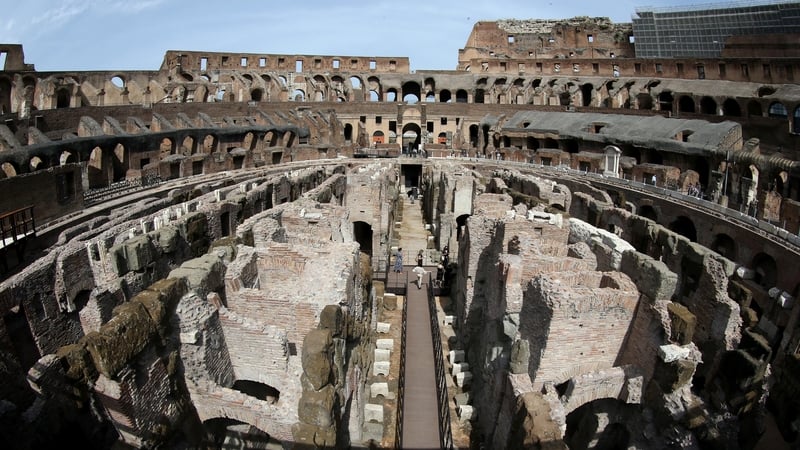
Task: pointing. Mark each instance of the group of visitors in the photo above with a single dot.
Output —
(695, 190)
(419, 270)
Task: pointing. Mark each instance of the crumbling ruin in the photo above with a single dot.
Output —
(212, 270)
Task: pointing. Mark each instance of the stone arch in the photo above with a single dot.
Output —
(725, 246)
(796, 120)
(430, 97)
(442, 138)
(600, 424)
(391, 95)
(461, 222)
(348, 133)
(218, 430)
(586, 93)
(374, 85)
(187, 145)
(648, 211)
(63, 98)
(256, 95)
(362, 232)
(777, 110)
(209, 144)
(665, 101)
(445, 96)
(411, 92)
(685, 227)
(167, 147)
(644, 101)
(412, 135)
(9, 170)
(479, 95)
(765, 270)
(271, 138)
(378, 137)
(532, 143)
(298, 95)
(249, 141)
(118, 81)
(66, 157)
(754, 109)
(550, 143)
(95, 169)
(35, 163)
(708, 105)
(730, 107)
(119, 163)
(5, 95)
(686, 104)
(462, 96)
(261, 391)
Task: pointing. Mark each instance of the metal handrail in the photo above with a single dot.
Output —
(401, 382)
(445, 430)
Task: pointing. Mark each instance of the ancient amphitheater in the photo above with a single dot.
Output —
(203, 255)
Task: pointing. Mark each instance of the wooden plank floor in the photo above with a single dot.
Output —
(420, 415)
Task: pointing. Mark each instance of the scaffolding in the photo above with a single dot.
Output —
(700, 31)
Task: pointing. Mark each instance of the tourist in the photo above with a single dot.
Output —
(420, 271)
(419, 258)
(398, 260)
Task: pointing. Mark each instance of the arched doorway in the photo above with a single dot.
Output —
(363, 235)
(685, 227)
(412, 136)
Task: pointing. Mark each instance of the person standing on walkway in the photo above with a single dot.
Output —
(398, 260)
(420, 271)
(419, 258)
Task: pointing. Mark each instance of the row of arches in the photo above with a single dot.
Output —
(109, 160)
(763, 265)
(612, 93)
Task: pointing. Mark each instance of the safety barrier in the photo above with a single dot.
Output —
(445, 431)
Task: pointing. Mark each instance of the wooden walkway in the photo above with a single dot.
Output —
(420, 405)
(420, 414)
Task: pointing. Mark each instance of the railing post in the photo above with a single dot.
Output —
(445, 432)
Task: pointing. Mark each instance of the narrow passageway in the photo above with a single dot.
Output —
(420, 414)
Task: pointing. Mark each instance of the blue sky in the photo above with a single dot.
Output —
(135, 34)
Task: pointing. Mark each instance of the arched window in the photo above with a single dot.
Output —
(777, 110)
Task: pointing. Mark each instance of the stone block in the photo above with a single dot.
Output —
(121, 338)
(455, 356)
(669, 353)
(139, 252)
(463, 379)
(373, 413)
(382, 355)
(382, 389)
(316, 357)
(465, 413)
(316, 407)
(385, 344)
(380, 368)
(168, 238)
(673, 375)
(653, 278)
(682, 323)
(373, 432)
(520, 356)
(389, 302)
(332, 319)
(460, 367)
(383, 327)
(461, 399)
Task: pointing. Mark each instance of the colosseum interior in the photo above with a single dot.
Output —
(611, 232)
